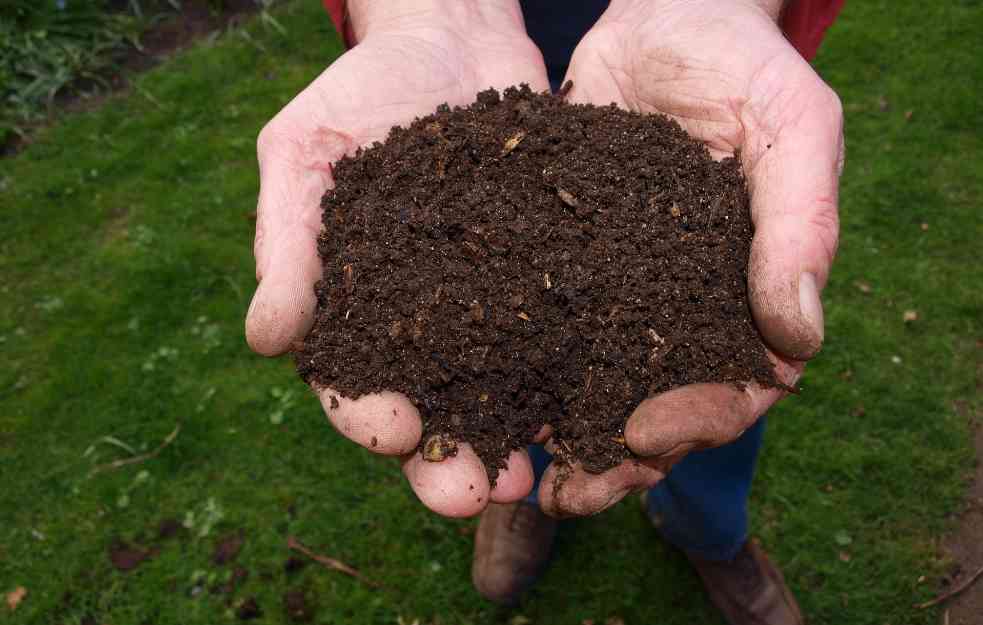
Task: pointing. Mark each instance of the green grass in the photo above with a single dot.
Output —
(125, 271)
(53, 50)
(49, 49)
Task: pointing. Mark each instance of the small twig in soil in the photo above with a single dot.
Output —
(348, 278)
(116, 464)
(331, 563)
(512, 142)
(590, 378)
(966, 583)
(713, 211)
(567, 198)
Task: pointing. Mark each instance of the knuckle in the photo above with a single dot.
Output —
(270, 139)
(832, 103)
(826, 226)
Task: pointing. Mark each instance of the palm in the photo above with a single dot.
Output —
(680, 66)
(702, 72)
(386, 80)
(392, 78)
(728, 76)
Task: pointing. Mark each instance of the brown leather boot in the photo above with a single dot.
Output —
(511, 549)
(749, 589)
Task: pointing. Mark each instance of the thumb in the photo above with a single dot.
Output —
(794, 180)
(295, 171)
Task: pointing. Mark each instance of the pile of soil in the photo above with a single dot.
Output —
(524, 261)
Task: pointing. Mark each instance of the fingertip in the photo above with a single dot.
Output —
(811, 309)
(550, 501)
(515, 481)
(582, 494)
(787, 310)
(455, 487)
(689, 417)
(641, 430)
(385, 423)
(282, 309)
(660, 424)
(259, 320)
(279, 314)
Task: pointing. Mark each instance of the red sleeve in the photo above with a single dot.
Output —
(804, 22)
(336, 9)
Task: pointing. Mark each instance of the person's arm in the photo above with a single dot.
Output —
(412, 55)
(804, 22)
(727, 73)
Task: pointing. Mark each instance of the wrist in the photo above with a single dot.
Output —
(369, 17)
(626, 8)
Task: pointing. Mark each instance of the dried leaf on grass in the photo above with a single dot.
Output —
(15, 596)
(126, 557)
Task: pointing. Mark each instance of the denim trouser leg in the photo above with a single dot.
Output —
(701, 506)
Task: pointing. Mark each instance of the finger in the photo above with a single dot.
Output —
(282, 309)
(295, 171)
(581, 493)
(454, 487)
(794, 157)
(515, 481)
(698, 416)
(544, 434)
(385, 423)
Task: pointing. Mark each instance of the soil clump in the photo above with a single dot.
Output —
(524, 261)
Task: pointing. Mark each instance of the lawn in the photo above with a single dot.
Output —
(126, 269)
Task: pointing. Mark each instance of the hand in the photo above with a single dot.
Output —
(411, 57)
(725, 72)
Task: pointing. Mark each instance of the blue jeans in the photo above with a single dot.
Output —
(701, 506)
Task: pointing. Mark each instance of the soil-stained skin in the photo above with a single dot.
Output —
(523, 261)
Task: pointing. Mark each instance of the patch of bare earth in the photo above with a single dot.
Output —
(964, 546)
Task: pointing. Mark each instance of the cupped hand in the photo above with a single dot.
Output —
(726, 73)
(411, 57)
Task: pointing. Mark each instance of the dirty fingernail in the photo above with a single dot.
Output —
(252, 304)
(810, 305)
